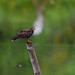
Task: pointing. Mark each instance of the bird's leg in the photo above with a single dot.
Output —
(27, 40)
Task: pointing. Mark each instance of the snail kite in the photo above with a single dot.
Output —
(26, 33)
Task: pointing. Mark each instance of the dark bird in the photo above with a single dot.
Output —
(26, 33)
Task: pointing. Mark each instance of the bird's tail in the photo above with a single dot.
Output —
(14, 38)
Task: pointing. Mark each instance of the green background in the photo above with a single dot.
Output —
(54, 47)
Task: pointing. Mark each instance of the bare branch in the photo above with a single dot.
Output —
(33, 58)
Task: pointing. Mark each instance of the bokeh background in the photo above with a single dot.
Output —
(54, 46)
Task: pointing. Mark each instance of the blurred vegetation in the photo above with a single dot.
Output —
(55, 46)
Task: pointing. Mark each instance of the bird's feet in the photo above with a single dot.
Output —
(28, 41)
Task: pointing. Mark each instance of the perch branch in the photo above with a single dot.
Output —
(33, 58)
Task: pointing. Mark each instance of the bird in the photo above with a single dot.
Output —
(25, 33)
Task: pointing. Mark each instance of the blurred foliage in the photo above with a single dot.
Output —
(58, 19)
(55, 46)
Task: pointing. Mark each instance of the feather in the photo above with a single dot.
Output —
(26, 33)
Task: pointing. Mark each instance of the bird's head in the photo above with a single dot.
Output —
(33, 28)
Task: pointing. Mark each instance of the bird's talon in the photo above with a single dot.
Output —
(28, 41)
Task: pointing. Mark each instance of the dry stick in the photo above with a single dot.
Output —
(33, 58)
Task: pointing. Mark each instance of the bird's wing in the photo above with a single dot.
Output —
(25, 31)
